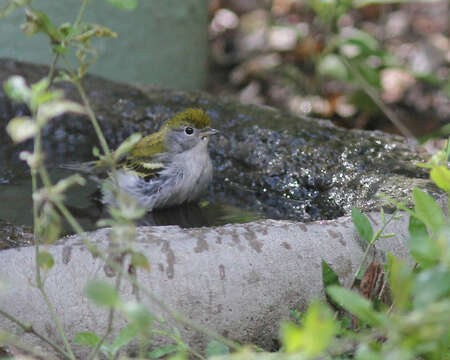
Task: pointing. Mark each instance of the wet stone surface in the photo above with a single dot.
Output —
(266, 162)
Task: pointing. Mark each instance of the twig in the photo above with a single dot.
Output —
(371, 92)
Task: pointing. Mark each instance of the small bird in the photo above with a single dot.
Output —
(167, 168)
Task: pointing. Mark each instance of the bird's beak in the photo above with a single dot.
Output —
(208, 132)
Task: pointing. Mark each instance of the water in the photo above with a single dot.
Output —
(84, 203)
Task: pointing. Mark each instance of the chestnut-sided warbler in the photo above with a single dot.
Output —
(167, 168)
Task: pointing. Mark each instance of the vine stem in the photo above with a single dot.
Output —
(369, 247)
(87, 105)
(30, 329)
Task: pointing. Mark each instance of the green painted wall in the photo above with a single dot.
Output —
(162, 42)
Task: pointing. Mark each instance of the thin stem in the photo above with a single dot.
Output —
(86, 103)
(37, 151)
(448, 150)
(369, 247)
(174, 314)
(111, 313)
(31, 330)
(12, 340)
(52, 68)
(372, 93)
(39, 282)
(57, 323)
(80, 13)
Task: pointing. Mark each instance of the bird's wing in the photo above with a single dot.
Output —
(143, 159)
(146, 168)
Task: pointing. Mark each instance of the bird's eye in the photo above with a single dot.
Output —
(189, 130)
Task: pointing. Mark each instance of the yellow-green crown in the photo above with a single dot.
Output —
(190, 117)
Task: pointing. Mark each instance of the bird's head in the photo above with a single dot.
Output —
(187, 129)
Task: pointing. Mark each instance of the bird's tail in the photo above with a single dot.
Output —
(90, 167)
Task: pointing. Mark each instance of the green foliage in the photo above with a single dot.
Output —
(215, 348)
(87, 338)
(102, 293)
(314, 336)
(110, 350)
(162, 351)
(441, 177)
(363, 225)
(331, 65)
(140, 260)
(423, 248)
(428, 211)
(45, 260)
(138, 315)
(329, 277)
(357, 305)
(124, 4)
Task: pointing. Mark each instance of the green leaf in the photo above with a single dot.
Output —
(124, 4)
(356, 304)
(422, 247)
(102, 293)
(62, 185)
(162, 351)
(17, 89)
(363, 225)
(55, 108)
(331, 65)
(369, 74)
(216, 348)
(140, 260)
(126, 146)
(125, 336)
(22, 128)
(87, 338)
(40, 86)
(45, 260)
(427, 210)
(329, 277)
(441, 177)
(430, 286)
(49, 224)
(360, 38)
(138, 315)
(38, 21)
(323, 9)
(401, 280)
(314, 336)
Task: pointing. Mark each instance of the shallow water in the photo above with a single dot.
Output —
(84, 203)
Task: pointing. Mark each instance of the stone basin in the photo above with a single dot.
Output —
(301, 176)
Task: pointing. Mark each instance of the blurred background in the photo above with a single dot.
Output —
(364, 64)
(357, 62)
